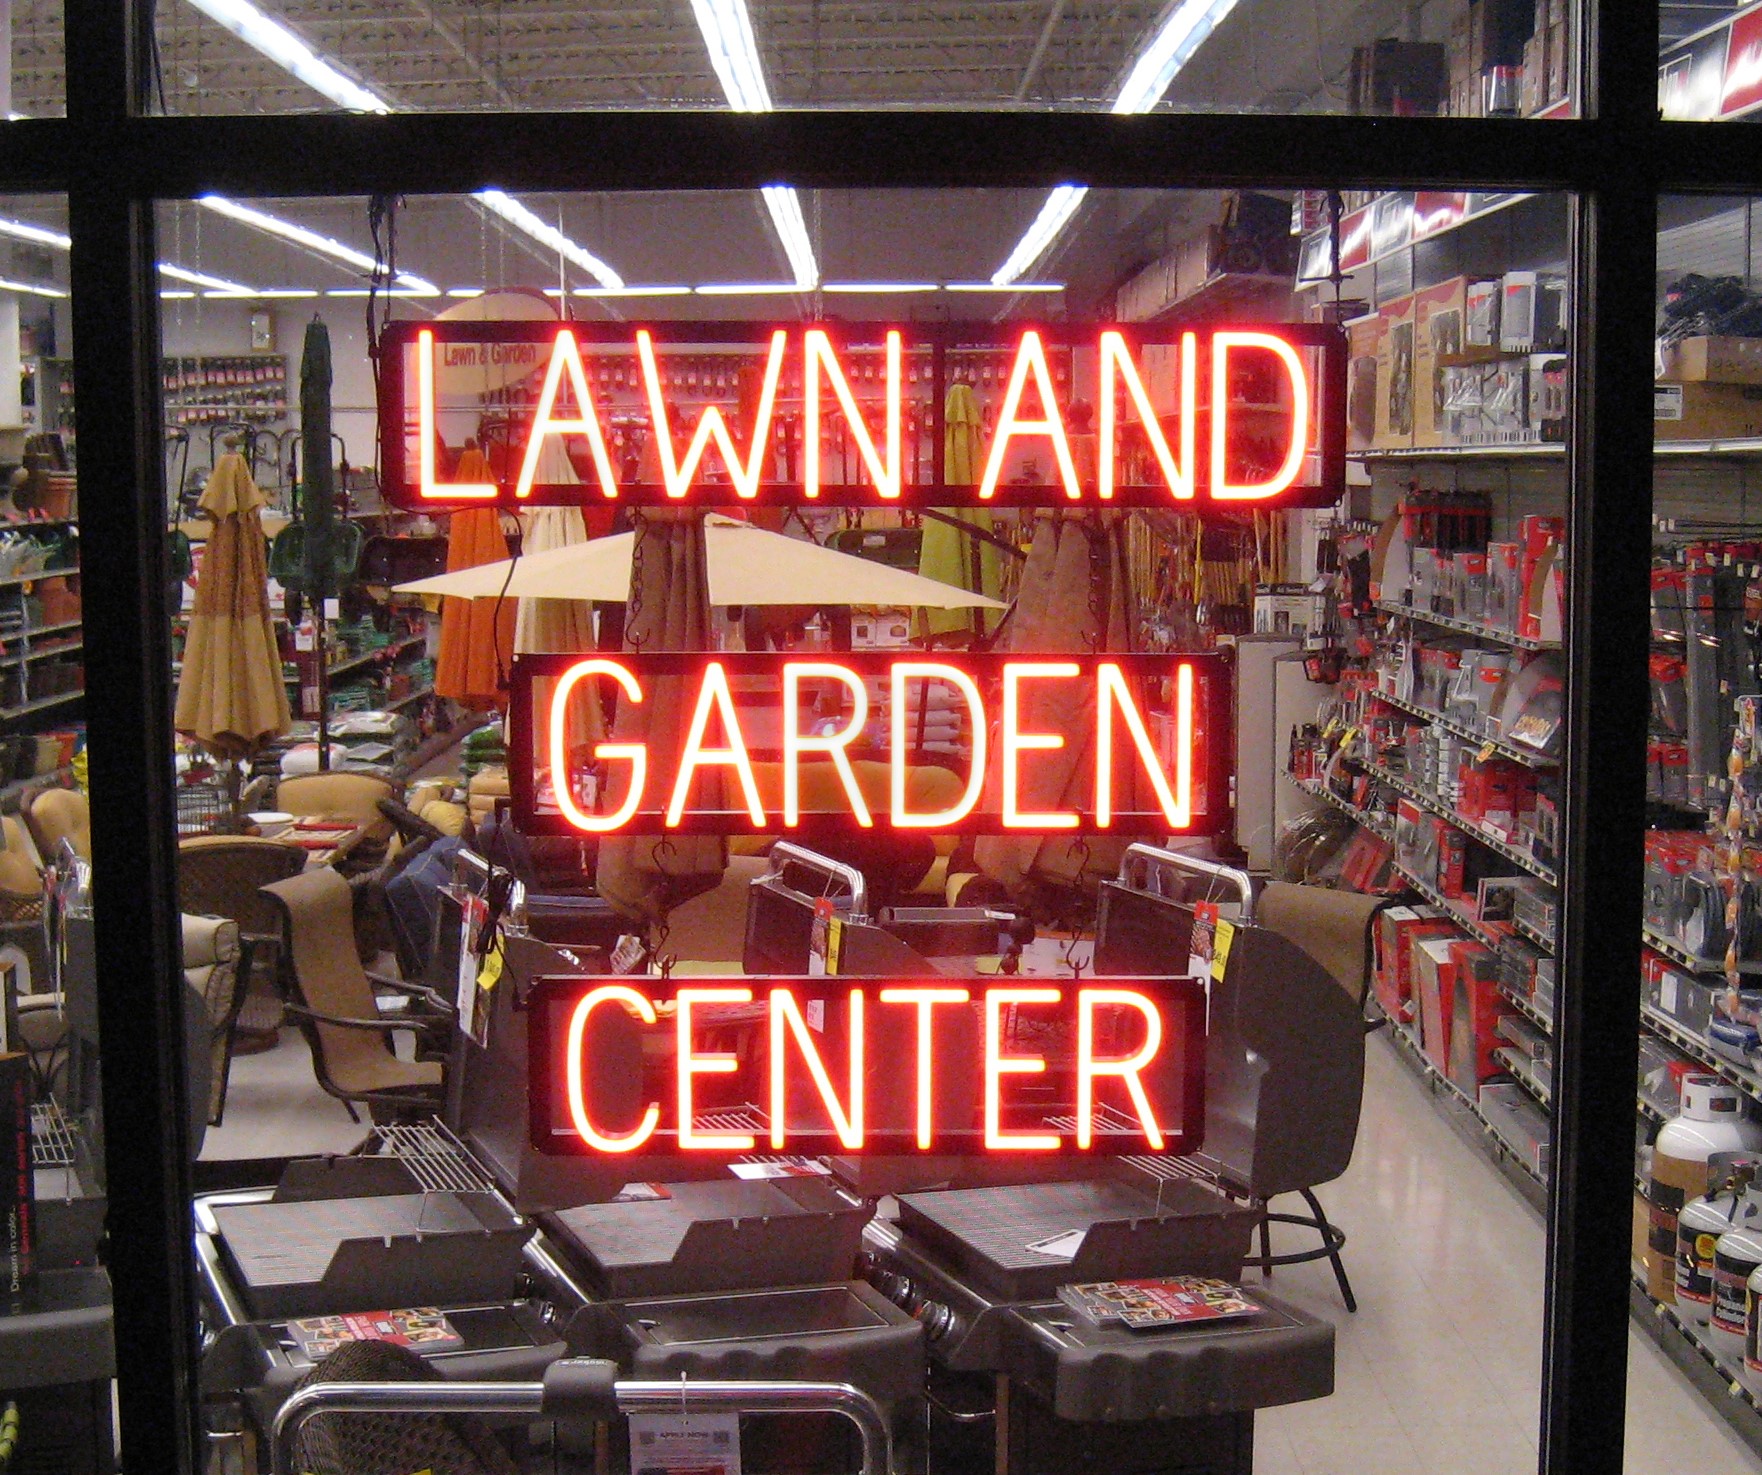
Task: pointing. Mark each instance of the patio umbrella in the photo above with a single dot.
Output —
(745, 565)
(946, 553)
(476, 640)
(1075, 596)
(231, 697)
(562, 625)
(668, 610)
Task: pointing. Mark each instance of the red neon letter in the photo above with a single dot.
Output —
(1088, 1067)
(926, 999)
(818, 352)
(997, 1065)
(714, 693)
(796, 742)
(904, 671)
(785, 1013)
(703, 1065)
(425, 433)
(636, 754)
(710, 427)
(1030, 357)
(1116, 364)
(1221, 487)
(1177, 806)
(630, 998)
(1016, 742)
(566, 356)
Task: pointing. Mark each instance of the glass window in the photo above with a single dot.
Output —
(33, 84)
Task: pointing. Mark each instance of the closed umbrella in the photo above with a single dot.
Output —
(668, 610)
(231, 697)
(946, 553)
(563, 625)
(1075, 596)
(476, 639)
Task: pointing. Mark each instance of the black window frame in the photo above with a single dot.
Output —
(114, 160)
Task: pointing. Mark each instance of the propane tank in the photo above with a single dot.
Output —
(1712, 1120)
(1736, 1256)
(1698, 1228)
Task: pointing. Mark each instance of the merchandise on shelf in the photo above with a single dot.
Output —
(1711, 1121)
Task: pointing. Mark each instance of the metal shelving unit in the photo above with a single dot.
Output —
(1475, 628)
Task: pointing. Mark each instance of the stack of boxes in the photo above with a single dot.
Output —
(1710, 389)
(1508, 56)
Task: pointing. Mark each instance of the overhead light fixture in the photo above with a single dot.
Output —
(1054, 215)
(257, 294)
(202, 279)
(180, 294)
(400, 292)
(734, 53)
(464, 291)
(37, 235)
(517, 215)
(792, 231)
(291, 54)
(879, 289)
(1008, 287)
(1183, 31)
(633, 292)
(747, 289)
(322, 245)
(36, 289)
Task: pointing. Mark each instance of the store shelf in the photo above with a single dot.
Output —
(1475, 928)
(1466, 733)
(1466, 627)
(1517, 1066)
(367, 657)
(1741, 1408)
(1377, 824)
(1434, 805)
(1742, 448)
(414, 696)
(62, 648)
(1523, 450)
(12, 581)
(1683, 958)
(42, 704)
(1541, 1018)
(48, 629)
(1668, 1030)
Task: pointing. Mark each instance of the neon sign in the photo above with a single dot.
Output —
(856, 414)
(731, 1066)
(803, 740)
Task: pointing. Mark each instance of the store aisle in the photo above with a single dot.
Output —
(1440, 1370)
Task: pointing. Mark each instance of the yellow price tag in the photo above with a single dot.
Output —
(1486, 752)
(1220, 949)
(490, 973)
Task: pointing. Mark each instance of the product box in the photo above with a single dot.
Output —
(1452, 856)
(1439, 328)
(1392, 975)
(1414, 850)
(1434, 990)
(1532, 312)
(1549, 392)
(1505, 403)
(1476, 1009)
(1363, 335)
(1394, 403)
(1559, 59)
(1461, 389)
(1705, 411)
(1538, 538)
(1481, 304)
(1718, 360)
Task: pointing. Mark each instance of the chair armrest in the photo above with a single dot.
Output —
(411, 990)
(382, 1025)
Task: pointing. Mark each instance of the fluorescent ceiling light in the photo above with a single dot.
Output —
(383, 292)
(202, 279)
(1054, 215)
(879, 288)
(1184, 29)
(464, 291)
(257, 294)
(633, 292)
(728, 33)
(290, 53)
(36, 234)
(792, 230)
(181, 294)
(517, 215)
(17, 117)
(747, 289)
(34, 288)
(311, 240)
(1010, 287)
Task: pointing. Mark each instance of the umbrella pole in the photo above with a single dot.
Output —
(322, 657)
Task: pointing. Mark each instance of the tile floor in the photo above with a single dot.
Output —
(1438, 1372)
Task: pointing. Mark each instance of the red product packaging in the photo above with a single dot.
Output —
(1434, 987)
(1538, 536)
(1452, 856)
(1478, 1006)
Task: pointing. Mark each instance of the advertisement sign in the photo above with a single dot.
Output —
(857, 414)
(812, 1065)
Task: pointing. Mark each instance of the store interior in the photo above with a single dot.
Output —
(384, 897)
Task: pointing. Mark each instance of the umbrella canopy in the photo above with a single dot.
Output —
(946, 553)
(476, 639)
(1075, 596)
(231, 697)
(745, 565)
(668, 610)
(318, 501)
(559, 624)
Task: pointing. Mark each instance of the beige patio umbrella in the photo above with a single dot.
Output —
(743, 565)
(1075, 596)
(231, 697)
(561, 625)
(668, 609)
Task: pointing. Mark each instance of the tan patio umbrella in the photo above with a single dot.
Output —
(561, 625)
(231, 697)
(1075, 596)
(668, 610)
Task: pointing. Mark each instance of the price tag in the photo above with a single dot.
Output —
(1487, 751)
(685, 1444)
(1220, 952)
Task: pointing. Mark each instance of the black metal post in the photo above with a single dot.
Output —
(1596, 1015)
(128, 661)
